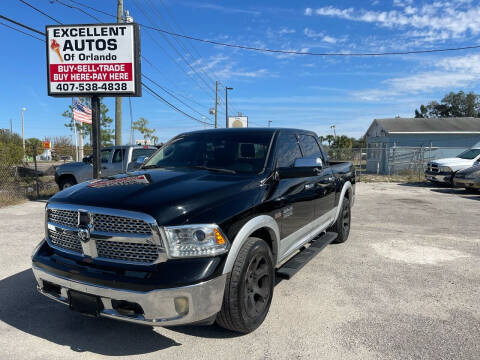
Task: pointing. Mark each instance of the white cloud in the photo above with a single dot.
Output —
(308, 11)
(439, 19)
(223, 67)
(319, 35)
(448, 73)
(286, 30)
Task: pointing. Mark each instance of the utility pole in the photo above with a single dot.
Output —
(269, 122)
(96, 136)
(216, 102)
(11, 127)
(118, 99)
(23, 129)
(226, 105)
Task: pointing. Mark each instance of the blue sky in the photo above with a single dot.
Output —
(292, 91)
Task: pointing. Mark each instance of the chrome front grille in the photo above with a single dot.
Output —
(128, 236)
(63, 217)
(119, 224)
(143, 253)
(65, 240)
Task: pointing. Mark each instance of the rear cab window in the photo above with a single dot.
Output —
(287, 150)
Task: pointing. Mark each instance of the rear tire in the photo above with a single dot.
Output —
(342, 225)
(66, 183)
(249, 288)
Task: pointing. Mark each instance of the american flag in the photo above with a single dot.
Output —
(81, 112)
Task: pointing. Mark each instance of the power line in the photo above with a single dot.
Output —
(154, 93)
(163, 74)
(23, 32)
(41, 12)
(179, 53)
(22, 25)
(293, 52)
(173, 95)
(79, 9)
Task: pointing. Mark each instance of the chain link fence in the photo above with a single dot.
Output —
(30, 176)
(393, 161)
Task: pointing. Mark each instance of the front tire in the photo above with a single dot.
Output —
(249, 288)
(342, 225)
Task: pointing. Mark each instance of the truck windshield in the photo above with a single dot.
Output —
(469, 154)
(230, 153)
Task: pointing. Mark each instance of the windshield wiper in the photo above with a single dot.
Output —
(228, 171)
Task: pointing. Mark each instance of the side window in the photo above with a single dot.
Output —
(309, 146)
(118, 155)
(105, 155)
(287, 150)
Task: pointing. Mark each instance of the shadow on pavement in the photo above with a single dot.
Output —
(25, 309)
(445, 189)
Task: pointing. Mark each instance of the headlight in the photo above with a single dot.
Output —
(444, 169)
(195, 241)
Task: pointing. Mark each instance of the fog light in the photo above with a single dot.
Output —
(181, 305)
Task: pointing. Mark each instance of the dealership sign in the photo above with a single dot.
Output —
(87, 60)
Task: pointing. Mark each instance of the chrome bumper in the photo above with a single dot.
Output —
(159, 306)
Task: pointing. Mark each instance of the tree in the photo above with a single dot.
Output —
(106, 132)
(330, 139)
(452, 105)
(62, 147)
(33, 146)
(11, 150)
(141, 126)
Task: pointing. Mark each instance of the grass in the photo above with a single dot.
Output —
(408, 178)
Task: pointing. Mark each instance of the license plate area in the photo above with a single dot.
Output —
(85, 303)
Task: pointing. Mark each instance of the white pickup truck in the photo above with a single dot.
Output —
(115, 160)
(443, 170)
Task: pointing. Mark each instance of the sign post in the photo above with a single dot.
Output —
(94, 61)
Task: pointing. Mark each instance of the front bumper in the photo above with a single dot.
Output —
(466, 183)
(442, 177)
(160, 307)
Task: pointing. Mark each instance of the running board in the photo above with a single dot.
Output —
(292, 266)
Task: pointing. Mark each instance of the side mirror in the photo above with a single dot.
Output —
(302, 167)
(87, 160)
(308, 162)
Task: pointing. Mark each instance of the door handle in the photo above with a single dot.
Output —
(104, 167)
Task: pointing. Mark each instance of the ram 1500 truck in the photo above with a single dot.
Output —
(199, 233)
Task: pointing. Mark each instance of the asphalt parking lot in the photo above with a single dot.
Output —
(405, 285)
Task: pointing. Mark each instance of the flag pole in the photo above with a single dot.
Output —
(75, 133)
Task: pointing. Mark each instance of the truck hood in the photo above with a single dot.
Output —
(454, 163)
(71, 165)
(172, 197)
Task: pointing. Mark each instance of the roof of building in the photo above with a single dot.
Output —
(461, 125)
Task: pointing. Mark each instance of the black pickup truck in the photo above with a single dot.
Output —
(199, 233)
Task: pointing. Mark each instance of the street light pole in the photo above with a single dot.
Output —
(23, 129)
(226, 105)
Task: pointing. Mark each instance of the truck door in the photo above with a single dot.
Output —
(323, 184)
(106, 159)
(293, 196)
